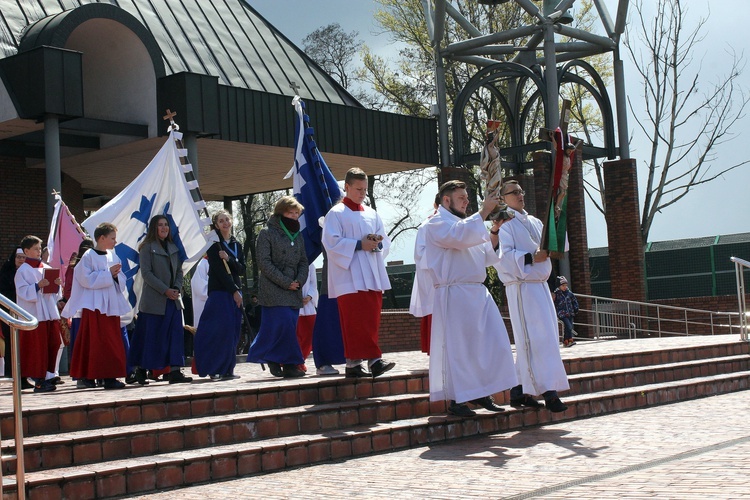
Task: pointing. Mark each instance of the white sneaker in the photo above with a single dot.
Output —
(327, 370)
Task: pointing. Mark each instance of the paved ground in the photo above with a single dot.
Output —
(697, 449)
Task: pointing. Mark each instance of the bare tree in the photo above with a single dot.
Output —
(685, 120)
(334, 50)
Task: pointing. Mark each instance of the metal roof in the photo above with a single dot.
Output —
(223, 38)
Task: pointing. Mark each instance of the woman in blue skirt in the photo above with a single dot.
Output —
(283, 270)
(218, 332)
(158, 338)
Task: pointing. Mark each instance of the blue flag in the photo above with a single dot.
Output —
(314, 185)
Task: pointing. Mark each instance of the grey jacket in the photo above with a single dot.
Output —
(280, 263)
(155, 271)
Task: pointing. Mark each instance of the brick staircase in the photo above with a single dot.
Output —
(145, 442)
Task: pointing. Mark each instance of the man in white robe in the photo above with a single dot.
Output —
(356, 245)
(422, 291)
(524, 270)
(470, 354)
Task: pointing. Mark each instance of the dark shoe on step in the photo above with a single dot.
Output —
(177, 377)
(56, 381)
(526, 400)
(230, 376)
(380, 366)
(130, 379)
(460, 410)
(141, 376)
(85, 383)
(556, 406)
(113, 383)
(275, 369)
(488, 403)
(25, 384)
(44, 387)
(292, 371)
(356, 372)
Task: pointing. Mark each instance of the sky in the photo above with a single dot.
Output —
(717, 208)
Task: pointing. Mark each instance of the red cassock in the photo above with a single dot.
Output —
(39, 349)
(305, 325)
(425, 326)
(98, 352)
(360, 322)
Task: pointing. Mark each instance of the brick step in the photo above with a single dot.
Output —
(138, 407)
(89, 446)
(183, 468)
(618, 361)
(583, 383)
(86, 446)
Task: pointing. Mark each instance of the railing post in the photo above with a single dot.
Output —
(658, 319)
(18, 417)
(686, 325)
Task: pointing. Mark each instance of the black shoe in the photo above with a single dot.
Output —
(556, 406)
(275, 369)
(44, 387)
(25, 384)
(56, 381)
(130, 379)
(113, 383)
(177, 377)
(291, 371)
(460, 410)
(85, 383)
(356, 372)
(488, 403)
(229, 376)
(379, 367)
(526, 400)
(141, 376)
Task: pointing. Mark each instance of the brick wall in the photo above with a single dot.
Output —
(399, 331)
(627, 262)
(23, 202)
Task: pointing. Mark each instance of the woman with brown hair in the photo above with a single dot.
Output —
(283, 270)
(158, 339)
(219, 327)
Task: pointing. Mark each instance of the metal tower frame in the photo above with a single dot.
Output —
(501, 55)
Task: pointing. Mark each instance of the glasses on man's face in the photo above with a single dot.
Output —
(516, 192)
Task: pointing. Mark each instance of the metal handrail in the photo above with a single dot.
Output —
(742, 304)
(629, 319)
(17, 319)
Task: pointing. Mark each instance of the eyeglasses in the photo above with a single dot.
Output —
(516, 192)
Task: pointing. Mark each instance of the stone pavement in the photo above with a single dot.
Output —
(696, 449)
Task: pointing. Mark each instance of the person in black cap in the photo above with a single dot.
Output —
(566, 306)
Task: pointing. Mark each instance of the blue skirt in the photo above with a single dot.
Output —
(217, 336)
(158, 340)
(277, 337)
(328, 345)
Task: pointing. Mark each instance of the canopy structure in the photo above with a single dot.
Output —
(84, 85)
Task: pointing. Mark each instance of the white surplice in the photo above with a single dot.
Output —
(351, 270)
(532, 312)
(470, 354)
(310, 288)
(422, 290)
(199, 290)
(95, 289)
(43, 306)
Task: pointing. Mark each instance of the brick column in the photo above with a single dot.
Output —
(626, 257)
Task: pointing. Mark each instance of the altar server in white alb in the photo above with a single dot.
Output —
(356, 243)
(470, 355)
(524, 270)
(422, 290)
